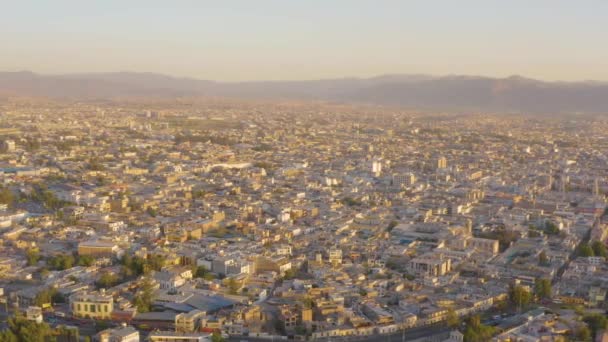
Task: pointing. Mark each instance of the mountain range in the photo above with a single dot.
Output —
(513, 94)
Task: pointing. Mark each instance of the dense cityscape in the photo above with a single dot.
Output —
(220, 219)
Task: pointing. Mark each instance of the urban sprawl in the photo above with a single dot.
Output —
(210, 219)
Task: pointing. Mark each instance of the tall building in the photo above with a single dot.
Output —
(442, 163)
(335, 256)
(407, 179)
(376, 167)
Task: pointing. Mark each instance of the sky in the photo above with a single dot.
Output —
(237, 40)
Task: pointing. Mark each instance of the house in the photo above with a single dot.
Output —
(169, 281)
(121, 334)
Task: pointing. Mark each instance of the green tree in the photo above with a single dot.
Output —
(582, 333)
(308, 302)
(155, 262)
(505, 237)
(477, 332)
(27, 331)
(95, 165)
(107, 279)
(151, 211)
(452, 320)
(519, 297)
(233, 286)
(67, 334)
(289, 274)
(8, 336)
(132, 266)
(596, 322)
(145, 296)
(217, 337)
(542, 288)
(45, 296)
(6, 196)
(551, 228)
(32, 256)
(85, 260)
(599, 249)
(584, 250)
(543, 260)
(199, 271)
(61, 262)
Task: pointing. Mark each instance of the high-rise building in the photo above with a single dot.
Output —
(376, 167)
(442, 163)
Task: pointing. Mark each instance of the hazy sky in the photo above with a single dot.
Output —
(308, 39)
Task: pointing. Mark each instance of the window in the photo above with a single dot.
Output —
(93, 308)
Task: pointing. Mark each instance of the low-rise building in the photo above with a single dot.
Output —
(96, 305)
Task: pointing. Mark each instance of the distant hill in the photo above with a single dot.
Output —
(457, 93)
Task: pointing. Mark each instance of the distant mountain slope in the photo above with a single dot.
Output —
(513, 94)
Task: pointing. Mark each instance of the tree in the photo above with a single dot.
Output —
(289, 274)
(543, 260)
(95, 164)
(551, 228)
(199, 271)
(504, 237)
(233, 286)
(452, 320)
(27, 331)
(217, 337)
(542, 288)
(45, 296)
(6, 196)
(308, 302)
(599, 249)
(477, 332)
(107, 279)
(584, 250)
(8, 336)
(61, 262)
(67, 334)
(596, 322)
(132, 266)
(519, 297)
(32, 255)
(145, 296)
(155, 262)
(151, 211)
(85, 260)
(582, 333)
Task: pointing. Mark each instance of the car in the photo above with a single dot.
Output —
(59, 314)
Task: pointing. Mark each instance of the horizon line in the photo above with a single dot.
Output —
(419, 74)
